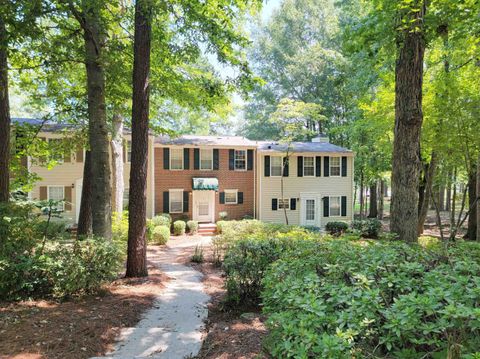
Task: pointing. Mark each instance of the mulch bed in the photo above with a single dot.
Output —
(79, 328)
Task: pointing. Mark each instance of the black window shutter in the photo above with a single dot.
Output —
(186, 158)
(249, 160)
(185, 201)
(231, 160)
(326, 166)
(267, 166)
(274, 204)
(344, 206)
(166, 158)
(240, 197)
(318, 166)
(344, 166)
(216, 159)
(285, 166)
(293, 204)
(300, 166)
(166, 202)
(196, 158)
(222, 197)
(326, 206)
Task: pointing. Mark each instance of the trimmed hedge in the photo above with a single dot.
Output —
(161, 234)
(179, 228)
(192, 226)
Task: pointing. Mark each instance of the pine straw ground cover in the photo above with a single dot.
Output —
(79, 328)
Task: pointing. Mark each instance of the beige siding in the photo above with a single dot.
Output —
(296, 187)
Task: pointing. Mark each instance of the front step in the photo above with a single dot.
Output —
(207, 229)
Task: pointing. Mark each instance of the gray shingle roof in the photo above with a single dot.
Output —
(269, 146)
(190, 140)
(47, 126)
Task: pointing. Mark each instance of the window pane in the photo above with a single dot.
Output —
(206, 159)
(56, 194)
(310, 210)
(334, 166)
(334, 206)
(230, 196)
(176, 201)
(308, 166)
(284, 203)
(275, 166)
(176, 159)
(240, 159)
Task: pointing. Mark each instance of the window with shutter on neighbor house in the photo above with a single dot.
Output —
(283, 203)
(57, 193)
(334, 166)
(56, 148)
(176, 201)
(231, 196)
(176, 159)
(206, 159)
(335, 206)
(308, 166)
(275, 166)
(240, 160)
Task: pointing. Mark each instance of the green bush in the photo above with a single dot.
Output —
(120, 228)
(336, 228)
(161, 234)
(339, 299)
(220, 226)
(163, 219)
(179, 228)
(55, 229)
(368, 228)
(197, 256)
(192, 227)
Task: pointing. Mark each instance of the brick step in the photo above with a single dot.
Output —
(207, 229)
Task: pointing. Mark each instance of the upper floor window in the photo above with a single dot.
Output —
(334, 166)
(176, 200)
(240, 160)
(276, 166)
(176, 159)
(334, 206)
(308, 166)
(206, 159)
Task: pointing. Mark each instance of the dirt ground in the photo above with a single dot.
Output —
(79, 328)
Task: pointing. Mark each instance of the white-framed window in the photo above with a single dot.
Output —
(126, 196)
(56, 149)
(176, 159)
(335, 166)
(206, 159)
(57, 193)
(129, 151)
(308, 166)
(276, 166)
(284, 203)
(240, 160)
(335, 206)
(176, 200)
(231, 196)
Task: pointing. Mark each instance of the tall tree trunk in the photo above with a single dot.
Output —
(137, 206)
(85, 214)
(408, 124)
(117, 165)
(4, 116)
(373, 212)
(472, 205)
(441, 197)
(454, 199)
(381, 196)
(478, 195)
(97, 123)
(448, 196)
(361, 195)
(423, 203)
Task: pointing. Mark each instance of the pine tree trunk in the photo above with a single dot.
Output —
(472, 205)
(97, 122)
(408, 124)
(85, 214)
(117, 165)
(373, 212)
(4, 117)
(137, 207)
(427, 193)
(478, 199)
(381, 196)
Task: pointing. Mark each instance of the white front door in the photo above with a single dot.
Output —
(78, 197)
(309, 211)
(204, 206)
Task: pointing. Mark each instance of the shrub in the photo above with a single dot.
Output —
(163, 219)
(336, 228)
(179, 228)
(55, 229)
(150, 228)
(220, 226)
(161, 234)
(197, 256)
(192, 227)
(120, 228)
(369, 228)
(339, 299)
(223, 215)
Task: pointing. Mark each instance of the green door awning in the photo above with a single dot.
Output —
(205, 184)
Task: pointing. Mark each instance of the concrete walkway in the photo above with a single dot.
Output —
(172, 329)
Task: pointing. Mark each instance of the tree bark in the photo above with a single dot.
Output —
(408, 124)
(454, 199)
(361, 195)
(97, 121)
(4, 116)
(424, 197)
(478, 194)
(137, 207)
(472, 205)
(117, 165)
(84, 227)
(381, 196)
(373, 212)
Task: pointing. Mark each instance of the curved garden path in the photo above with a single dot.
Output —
(173, 327)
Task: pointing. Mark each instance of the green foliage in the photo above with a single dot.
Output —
(192, 226)
(120, 228)
(336, 228)
(368, 228)
(197, 256)
(163, 219)
(161, 234)
(220, 226)
(338, 299)
(179, 228)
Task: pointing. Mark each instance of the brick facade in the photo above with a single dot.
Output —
(243, 181)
